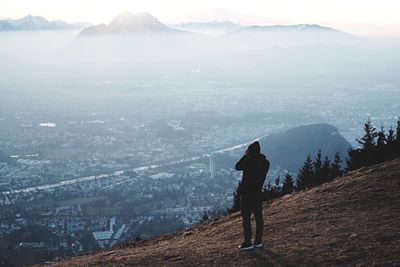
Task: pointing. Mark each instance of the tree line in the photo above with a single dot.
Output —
(375, 147)
(314, 172)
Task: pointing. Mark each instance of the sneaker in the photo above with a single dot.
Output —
(246, 246)
(259, 245)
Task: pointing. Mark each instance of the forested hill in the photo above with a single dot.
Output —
(351, 221)
(289, 149)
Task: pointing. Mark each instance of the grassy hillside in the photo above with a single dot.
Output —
(352, 221)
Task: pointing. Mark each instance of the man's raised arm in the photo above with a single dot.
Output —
(241, 164)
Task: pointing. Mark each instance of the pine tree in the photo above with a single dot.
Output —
(354, 160)
(277, 181)
(367, 142)
(398, 131)
(380, 151)
(336, 168)
(326, 170)
(364, 155)
(288, 184)
(204, 217)
(267, 192)
(269, 186)
(389, 150)
(391, 138)
(305, 174)
(317, 169)
(381, 138)
(396, 145)
(277, 190)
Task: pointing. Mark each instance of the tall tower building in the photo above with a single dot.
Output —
(212, 166)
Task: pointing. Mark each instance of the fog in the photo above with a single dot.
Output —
(285, 78)
(60, 63)
(164, 76)
(144, 130)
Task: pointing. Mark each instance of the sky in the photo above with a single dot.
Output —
(362, 17)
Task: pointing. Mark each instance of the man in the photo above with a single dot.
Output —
(255, 168)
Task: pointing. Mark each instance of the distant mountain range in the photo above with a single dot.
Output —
(275, 35)
(295, 27)
(143, 23)
(291, 30)
(127, 23)
(288, 35)
(32, 23)
(232, 28)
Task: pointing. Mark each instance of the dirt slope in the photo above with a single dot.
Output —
(352, 221)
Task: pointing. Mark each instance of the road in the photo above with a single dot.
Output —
(120, 172)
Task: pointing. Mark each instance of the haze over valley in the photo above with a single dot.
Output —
(132, 128)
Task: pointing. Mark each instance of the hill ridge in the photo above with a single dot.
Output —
(351, 221)
(127, 23)
(35, 23)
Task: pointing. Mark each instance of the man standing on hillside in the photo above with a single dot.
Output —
(255, 167)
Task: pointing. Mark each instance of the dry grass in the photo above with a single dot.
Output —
(352, 221)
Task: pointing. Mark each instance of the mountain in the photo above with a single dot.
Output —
(299, 34)
(32, 23)
(351, 221)
(5, 25)
(127, 23)
(296, 27)
(288, 150)
(208, 27)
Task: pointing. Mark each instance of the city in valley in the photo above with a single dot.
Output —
(96, 178)
(101, 147)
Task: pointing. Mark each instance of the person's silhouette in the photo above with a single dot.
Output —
(255, 167)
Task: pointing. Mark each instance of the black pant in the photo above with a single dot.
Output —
(252, 204)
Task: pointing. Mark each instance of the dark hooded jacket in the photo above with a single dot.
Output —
(255, 167)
